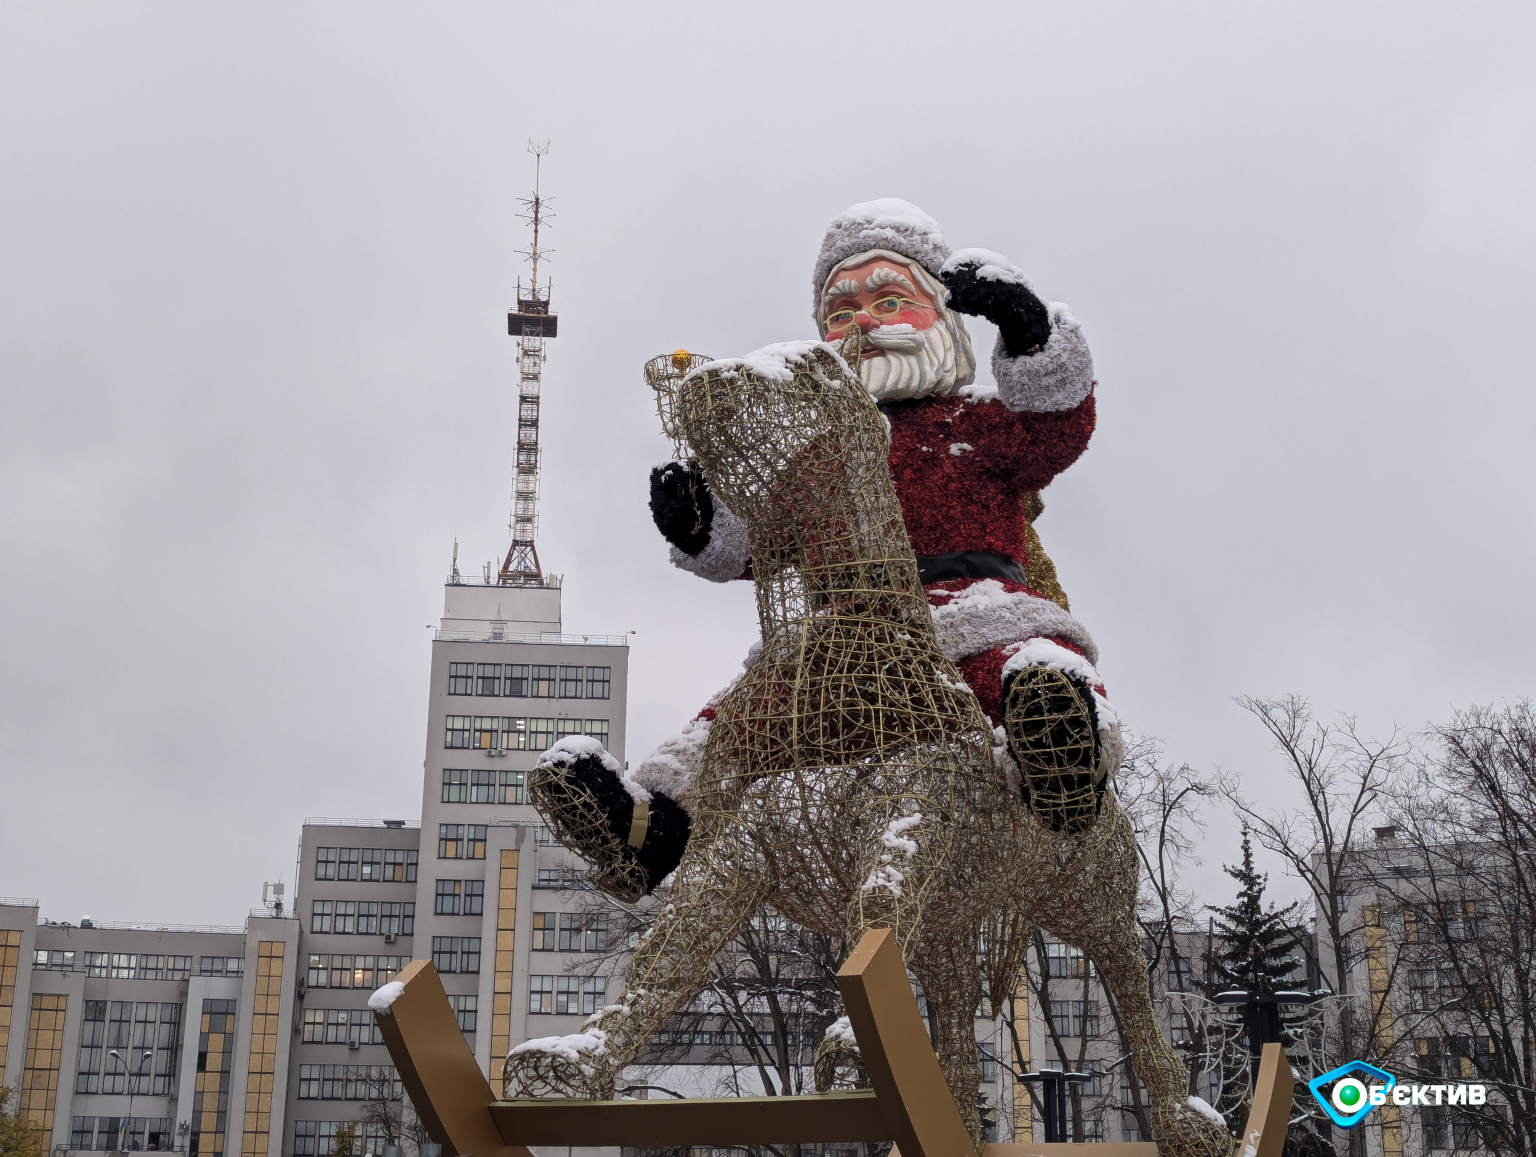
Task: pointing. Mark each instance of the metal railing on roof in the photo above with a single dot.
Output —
(139, 926)
(546, 638)
(18, 902)
(335, 822)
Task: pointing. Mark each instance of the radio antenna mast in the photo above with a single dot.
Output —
(531, 322)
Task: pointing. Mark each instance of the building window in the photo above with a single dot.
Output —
(541, 684)
(221, 966)
(541, 734)
(346, 918)
(456, 953)
(515, 682)
(304, 1138)
(314, 1026)
(398, 919)
(400, 865)
(597, 729)
(449, 893)
(460, 678)
(565, 727)
(1063, 960)
(341, 1026)
(486, 727)
(488, 679)
(474, 897)
(482, 786)
(514, 734)
(541, 994)
(367, 917)
(461, 841)
(466, 1009)
(346, 869)
(320, 913)
(373, 864)
(456, 731)
(583, 932)
(570, 682)
(543, 931)
(512, 783)
(325, 863)
(578, 995)
(1075, 1017)
(598, 681)
(988, 1062)
(455, 785)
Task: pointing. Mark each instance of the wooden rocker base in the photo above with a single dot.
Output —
(909, 1102)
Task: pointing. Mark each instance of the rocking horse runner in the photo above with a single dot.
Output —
(849, 779)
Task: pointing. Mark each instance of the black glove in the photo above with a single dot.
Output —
(1021, 317)
(681, 506)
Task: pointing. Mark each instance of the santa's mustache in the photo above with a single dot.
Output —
(902, 338)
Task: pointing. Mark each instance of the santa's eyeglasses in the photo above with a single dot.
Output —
(881, 309)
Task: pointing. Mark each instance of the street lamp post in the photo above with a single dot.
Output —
(133, 1074)
(1053, 1096)
(1262, 1012)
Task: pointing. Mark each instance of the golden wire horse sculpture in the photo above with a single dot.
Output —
(851, 780)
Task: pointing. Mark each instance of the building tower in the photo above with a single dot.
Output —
(531, 322)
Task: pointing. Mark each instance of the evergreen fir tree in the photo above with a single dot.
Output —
(1258, 947)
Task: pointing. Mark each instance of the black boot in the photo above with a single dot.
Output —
(1053, 733)
(632, 847)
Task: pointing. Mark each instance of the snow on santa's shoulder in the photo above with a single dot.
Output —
(1207, 1112)
(384, 997)
(890, 212)
(989, 266)
(776, 362)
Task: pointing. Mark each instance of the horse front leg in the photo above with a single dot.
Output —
(947, 968)
(718, 887)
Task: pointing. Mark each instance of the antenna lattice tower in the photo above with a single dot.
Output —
(531, 322)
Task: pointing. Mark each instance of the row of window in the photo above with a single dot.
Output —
(363, 917)
(349, 970)
(1075, 1017)
(456, 953)
(136, 965)
(464, 785)
(382, 865)
(127, 1047)
(339, 1026)
(569, 932)
(506, 733)
(566, 995)
(529, 681)
(317, 1138)
(349, 1083)
(461, 841)
(118, 1134)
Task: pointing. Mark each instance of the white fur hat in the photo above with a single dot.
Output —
(889, 223)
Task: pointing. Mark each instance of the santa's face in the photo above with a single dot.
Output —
(879, 292)
(911, 348)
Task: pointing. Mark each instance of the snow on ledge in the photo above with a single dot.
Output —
(384, 997)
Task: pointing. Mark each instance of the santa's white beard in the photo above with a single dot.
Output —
(913, 363)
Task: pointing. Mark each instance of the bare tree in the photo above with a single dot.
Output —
(1341, 776)
(1463, 865)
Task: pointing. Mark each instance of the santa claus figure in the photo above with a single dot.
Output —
(968, 462)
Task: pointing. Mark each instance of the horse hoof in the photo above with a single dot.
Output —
(1052, 732)
(559, 1066)
(839, 1064)
(583, 798)
(1184, 1131)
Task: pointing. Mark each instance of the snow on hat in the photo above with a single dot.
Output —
(888, 223)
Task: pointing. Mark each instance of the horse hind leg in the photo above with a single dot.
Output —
(716, 890)
(947, 969)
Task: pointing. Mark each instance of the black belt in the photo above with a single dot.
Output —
(964, 564)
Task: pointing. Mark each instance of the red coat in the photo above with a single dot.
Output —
(962, 468)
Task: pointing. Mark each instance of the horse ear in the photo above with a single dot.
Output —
(851, 346)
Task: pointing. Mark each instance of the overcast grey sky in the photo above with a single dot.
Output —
(254, 375)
